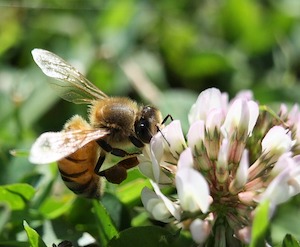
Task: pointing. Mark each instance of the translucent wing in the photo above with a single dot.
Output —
(53, 146)
(73, 86)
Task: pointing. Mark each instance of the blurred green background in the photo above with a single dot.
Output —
(178, 47)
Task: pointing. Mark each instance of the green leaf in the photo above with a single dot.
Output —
(118, 212)
(34, 238)
(260, 225)
(106, 227)
(204, 64)
(146, 236)
(246, 22)
(55, 207)
(5, 214)
(290, 241)
(286, 220)
(10, 31)
(16, 195)
(129, 192)
(13, 244)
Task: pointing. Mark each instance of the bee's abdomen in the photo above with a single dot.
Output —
(77, 171)
(90, 188)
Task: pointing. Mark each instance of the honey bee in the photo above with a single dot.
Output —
(81, 147)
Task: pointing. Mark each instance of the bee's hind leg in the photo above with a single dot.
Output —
(118, 173)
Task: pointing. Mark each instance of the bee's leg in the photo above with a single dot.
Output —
(114, 151)
(99, 164)
(136, 142)
(118, 173)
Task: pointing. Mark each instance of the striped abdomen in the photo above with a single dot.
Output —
(77, 171)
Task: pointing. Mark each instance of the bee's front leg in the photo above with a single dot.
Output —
(114, 151)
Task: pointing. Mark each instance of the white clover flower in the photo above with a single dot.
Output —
(233, 158)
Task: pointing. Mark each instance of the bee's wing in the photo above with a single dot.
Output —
(74, 87)
(53, 146)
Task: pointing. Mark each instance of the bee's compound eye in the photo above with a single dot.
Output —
(142, 130)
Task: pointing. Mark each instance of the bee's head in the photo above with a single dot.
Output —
(147, 124)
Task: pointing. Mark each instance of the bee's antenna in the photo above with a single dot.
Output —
(159, 130)
(166, 118)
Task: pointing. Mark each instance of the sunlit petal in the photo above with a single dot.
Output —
(156, 153)
(174, 137)
(192, 188)
(207, 100)
(186, 159)
(254, 112)
(278, 140)
(195, 136)
(237, 118)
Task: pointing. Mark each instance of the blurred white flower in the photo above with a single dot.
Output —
(155, 205)
(277, 141)
(200, 230)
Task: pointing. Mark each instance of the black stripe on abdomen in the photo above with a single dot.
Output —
(73, 175)
(75, 160)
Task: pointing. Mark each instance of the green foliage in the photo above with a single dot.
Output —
(144, 236)
(181, 48)
(106, 227)
(286, 221)
(290, 241)
(16, 195)
(33, 237)
(260, 225)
